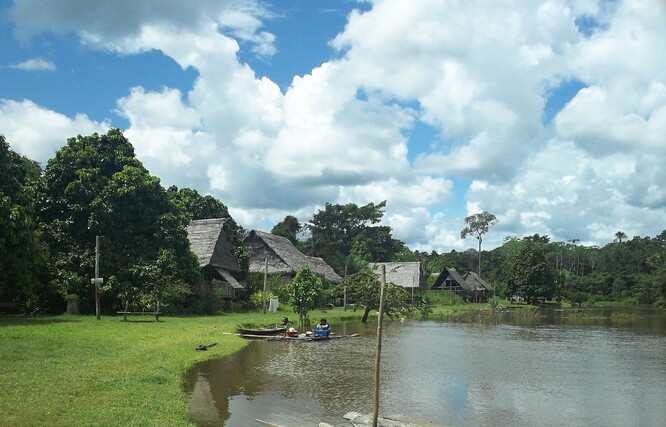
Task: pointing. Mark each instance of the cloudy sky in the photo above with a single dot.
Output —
(549, 114)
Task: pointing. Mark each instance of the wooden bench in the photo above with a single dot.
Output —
(139, 313)
(7, 306)
(127, 312)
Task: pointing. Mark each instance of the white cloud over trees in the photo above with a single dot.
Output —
(478, 73)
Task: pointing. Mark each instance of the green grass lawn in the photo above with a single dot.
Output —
(78, 371)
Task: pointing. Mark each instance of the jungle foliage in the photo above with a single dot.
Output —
(624, 270)
(95, 186)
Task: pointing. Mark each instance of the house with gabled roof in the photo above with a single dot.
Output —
(450, 280)
(409, 275)
(471, 287)
(278, 255)
(478, 282)
(210, 242)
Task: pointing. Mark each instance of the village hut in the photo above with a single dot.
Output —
(450, 280)
(471, 287)
(209, 241)
(482, 289)
(409, 275)
(282, 257)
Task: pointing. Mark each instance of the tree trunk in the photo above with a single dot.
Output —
(365, 315)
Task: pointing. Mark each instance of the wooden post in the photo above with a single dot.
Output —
(344, 295)
(380, 323)
(97, 308)
(265, 282)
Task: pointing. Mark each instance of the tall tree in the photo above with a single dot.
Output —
(529, 275)
(289, 227)
(619, 236)
(364, 287)
(96, 186)
(22, 256)
(477, 225)
(334, 230)
(303, 292)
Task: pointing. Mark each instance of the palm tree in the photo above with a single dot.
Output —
(619, 236)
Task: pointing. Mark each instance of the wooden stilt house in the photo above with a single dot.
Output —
(209, 240)
(483, 290)
(450, 280)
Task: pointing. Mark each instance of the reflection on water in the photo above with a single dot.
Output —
(552, 370)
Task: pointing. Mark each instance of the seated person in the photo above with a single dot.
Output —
(323, 324)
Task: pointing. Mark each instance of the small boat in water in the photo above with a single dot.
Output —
(266, 331)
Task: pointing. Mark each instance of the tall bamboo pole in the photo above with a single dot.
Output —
(344, 295)
(378, 353)
(265, 283)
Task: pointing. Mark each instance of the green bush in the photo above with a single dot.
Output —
(442, 298)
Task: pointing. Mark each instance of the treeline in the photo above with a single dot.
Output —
(625, 270)
(95, 186)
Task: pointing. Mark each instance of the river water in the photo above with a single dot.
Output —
(560, 368)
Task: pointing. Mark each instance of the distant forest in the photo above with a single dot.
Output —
(95, 186)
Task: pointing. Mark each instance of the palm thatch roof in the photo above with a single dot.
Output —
(406, 274)
(449, 276)
(210, 242)
(477, 282)
(282, 257)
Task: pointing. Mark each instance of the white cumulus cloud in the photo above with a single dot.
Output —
(478, 74)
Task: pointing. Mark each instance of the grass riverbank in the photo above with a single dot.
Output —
(78, 371)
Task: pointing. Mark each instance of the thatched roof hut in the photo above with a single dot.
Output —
(209, 240)
(283, 257)
(409, 275)
(450, 279)
(477, 282)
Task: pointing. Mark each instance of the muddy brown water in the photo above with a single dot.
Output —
(560, 368)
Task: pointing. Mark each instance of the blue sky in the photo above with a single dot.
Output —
(550, 115)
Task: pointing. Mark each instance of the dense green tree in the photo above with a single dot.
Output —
(289, 227)
(562, 284)
(304, 291)
(529, 275)
(363, 288)
(536, 238)
(22, 254)
(96, 186)
(358, 257)
(578, 298)
(334, 230)
(478, 225)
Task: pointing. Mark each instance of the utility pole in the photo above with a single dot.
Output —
(97, 279)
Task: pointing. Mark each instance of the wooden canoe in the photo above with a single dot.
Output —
(264, 332)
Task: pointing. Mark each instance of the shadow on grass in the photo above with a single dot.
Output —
(140, 320)
(19, 320)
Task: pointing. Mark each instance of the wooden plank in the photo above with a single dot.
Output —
(266, 423)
